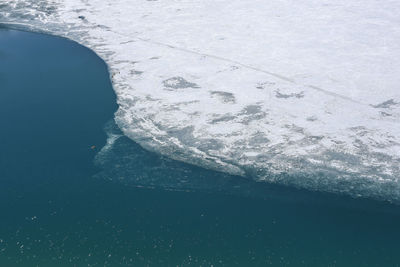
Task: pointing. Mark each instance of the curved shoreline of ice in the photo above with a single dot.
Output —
(195, 83)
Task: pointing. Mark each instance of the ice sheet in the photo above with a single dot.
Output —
(304, 93)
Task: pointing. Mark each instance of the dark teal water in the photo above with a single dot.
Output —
(136, 208)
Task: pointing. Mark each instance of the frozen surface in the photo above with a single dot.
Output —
(304, 93)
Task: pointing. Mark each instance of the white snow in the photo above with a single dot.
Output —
(304, 93)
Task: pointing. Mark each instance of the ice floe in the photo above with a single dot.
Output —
(304, 93)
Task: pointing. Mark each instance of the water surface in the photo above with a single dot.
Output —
(61, 205)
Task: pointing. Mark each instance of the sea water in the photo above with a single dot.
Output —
(75, 192)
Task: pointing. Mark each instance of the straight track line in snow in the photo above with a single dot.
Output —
(279, 76)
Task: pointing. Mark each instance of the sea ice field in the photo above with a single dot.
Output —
(299, 93)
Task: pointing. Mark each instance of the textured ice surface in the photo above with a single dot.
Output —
(304, 93)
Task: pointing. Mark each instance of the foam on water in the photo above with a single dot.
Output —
(303, 94)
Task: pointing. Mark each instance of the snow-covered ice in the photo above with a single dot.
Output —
(304, 93)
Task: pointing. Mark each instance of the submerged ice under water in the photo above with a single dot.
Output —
(303, 94)
(123, 160)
